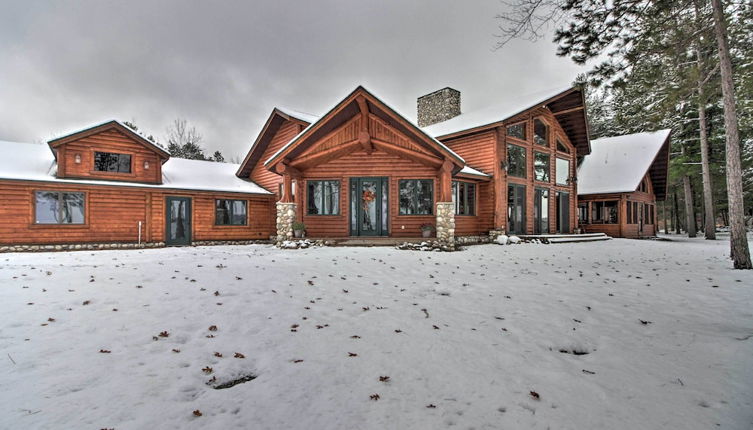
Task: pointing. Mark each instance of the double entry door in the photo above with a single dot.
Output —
(369, 209)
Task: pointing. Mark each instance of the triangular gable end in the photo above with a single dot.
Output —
(109, 125)
(276, 119)
(372, 116)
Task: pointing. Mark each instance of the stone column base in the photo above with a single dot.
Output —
(496, 232)
(285, 220)
(446, 224)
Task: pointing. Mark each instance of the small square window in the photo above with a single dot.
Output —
(517, 131)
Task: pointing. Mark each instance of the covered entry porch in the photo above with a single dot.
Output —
(363, 170)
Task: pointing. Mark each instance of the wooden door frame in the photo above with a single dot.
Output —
(383, 215)
(168, 209)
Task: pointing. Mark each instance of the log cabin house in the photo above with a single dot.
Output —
(620, 183)
(360, 170)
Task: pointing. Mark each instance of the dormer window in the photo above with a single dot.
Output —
(112, 162)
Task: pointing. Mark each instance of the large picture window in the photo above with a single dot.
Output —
(540, 132)
(517, 131)
(112, 162)
(323, 197)
(230, 212)
(541, 166)
(464, 198)
(57, 207)
(416, 196)
(604, 212)
(563, 171)
(516, 161)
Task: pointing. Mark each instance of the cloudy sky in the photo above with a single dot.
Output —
(224, 66)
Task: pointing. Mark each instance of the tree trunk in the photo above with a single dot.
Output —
(664, 214)
(709, 220)
(676, 211)
(738, 233)
(689, 207)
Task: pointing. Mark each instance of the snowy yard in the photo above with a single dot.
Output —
(620, 334)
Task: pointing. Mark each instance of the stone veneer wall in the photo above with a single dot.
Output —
(438, 106)
(285, 220)
(446, 223)
(79, 247)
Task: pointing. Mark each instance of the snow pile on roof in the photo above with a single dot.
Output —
(34, 162)
(509, 107)
(137, 132)
(471, 171)
(618, 164)
(303, 116)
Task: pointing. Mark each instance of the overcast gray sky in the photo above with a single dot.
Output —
(224, 66)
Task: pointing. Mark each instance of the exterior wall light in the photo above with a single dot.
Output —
(77, 159)
(146, 165)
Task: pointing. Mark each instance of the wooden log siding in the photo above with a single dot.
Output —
(555, 132)
(262, 176)
(480, 152)
(361, 164)
(622, 228)
(113, 214)
(108, 141)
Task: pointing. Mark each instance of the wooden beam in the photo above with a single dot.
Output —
(418, 157)
(445, 181)
(364, 137)
(321, 157)
(566, 111)
(284, 168)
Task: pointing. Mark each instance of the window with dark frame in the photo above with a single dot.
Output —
(112, 162)
(630, 212)
(562, 171)
(323, 197)
(230, 212)
(59, 207)
(416, 196)
(516, 161)
(517, 131)
(604, 212)
(583, 213)
(561, 147)
(635, 212)
(464, 197)
(541, 166)
(540, 132)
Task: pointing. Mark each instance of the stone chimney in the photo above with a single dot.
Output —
(438, 106)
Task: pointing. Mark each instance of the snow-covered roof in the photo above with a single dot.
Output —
(471, 171)
(618, 164)
(303, 116)
(35, 162)
(508, 107)
(144, 139)
(314, 123)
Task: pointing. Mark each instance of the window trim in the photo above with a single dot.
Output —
(107, 172)
(33, 216)
(456, 190)
(245, 221)
(567, 182)
(524, 123)
(525, 161)
(548, 170)
(339, 196)
(433, 202)
(548, 136)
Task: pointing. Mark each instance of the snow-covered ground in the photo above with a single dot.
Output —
(464, 338)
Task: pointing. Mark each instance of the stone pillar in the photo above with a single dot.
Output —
(285, 220)
(446, 224)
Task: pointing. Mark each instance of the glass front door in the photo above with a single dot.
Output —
(541, 211)
(563, 212)
(178, 221)
(368, 207)
(516, 209)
